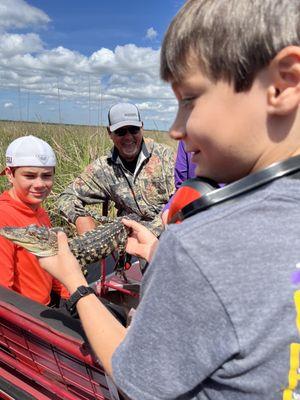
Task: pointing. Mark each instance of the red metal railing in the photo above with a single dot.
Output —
(58, 362)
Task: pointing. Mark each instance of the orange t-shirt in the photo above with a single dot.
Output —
(19, 269)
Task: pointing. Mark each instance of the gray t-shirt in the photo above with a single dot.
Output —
(217, 316)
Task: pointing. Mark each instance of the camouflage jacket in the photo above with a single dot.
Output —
(144, 192)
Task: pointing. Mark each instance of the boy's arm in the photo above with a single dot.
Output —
(104, 332)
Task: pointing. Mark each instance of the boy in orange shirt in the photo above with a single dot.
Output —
(30, 168)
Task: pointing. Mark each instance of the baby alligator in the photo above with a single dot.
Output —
(87, 248)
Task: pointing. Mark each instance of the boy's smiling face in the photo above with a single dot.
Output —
(224, 129)
(30, 185)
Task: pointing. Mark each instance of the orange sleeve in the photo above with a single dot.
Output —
(7, 262)
(60, 289)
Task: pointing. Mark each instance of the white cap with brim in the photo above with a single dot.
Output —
(123, 114)
(29, 151)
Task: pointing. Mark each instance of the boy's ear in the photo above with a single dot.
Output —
(9, 174)
(284, 90)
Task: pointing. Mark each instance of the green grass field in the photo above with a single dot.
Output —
(75, 147)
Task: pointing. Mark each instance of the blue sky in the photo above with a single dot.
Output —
(68, 61)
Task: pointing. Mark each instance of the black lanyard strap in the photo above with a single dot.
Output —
(291, 166)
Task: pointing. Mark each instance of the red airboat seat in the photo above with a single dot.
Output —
(45, 349)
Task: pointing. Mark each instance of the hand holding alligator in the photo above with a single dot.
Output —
(64, 266)
(114, 235)
(141, 242)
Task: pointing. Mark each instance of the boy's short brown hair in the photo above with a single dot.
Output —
(232, 40)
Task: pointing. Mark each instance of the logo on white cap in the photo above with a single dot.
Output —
(124, 114)
(42, 158)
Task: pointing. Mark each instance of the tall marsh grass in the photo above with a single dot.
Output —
(75, 147)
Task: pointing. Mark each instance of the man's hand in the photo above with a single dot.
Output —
(141, 242)
(64, 265)
(84, 224)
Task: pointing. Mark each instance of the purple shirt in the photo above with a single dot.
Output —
(184, 169)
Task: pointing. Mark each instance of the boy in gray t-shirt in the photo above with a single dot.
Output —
(217, 315)
(218, 318)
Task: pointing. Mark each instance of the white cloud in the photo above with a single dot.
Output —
(8, 105)
(103, 60)
(126, 73)
(19, 14)
(151, 33)
(125, 60)
(61, 60)
(14, 44)
(138, 59)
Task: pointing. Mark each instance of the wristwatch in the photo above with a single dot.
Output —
(80, 292)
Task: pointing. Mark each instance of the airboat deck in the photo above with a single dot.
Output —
(44, 353)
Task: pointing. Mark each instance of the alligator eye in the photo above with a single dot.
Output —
(42, 233)
(31, 229)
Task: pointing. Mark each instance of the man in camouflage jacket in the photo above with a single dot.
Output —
(137, 175)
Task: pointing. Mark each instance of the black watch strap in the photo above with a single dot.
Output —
(80, 292)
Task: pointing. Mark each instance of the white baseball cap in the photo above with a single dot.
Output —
(123, 114)
(29, 151)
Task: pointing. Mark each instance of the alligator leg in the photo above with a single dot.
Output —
(120, 267)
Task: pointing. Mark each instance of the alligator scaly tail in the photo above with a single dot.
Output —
(87, 248)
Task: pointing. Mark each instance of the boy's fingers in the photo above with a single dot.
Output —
(130, 223)
(62, 241)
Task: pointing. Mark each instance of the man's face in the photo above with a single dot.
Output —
(30, 185)
(224, 129)
(128, 141)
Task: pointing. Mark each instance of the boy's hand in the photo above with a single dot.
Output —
(64, 265)
(141, 242)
